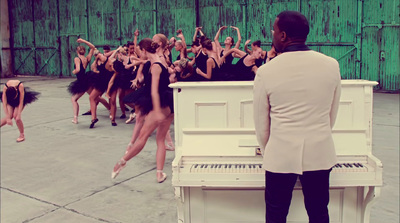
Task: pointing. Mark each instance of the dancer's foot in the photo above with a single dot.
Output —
(21, 138)
(161, 177)
(122, 116)
(75, 120)
(87, 113)
(93, 122)
(113, 123)
(132, 117)
(117, 168)
(170, 146)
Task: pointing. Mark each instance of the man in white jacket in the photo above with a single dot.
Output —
(296, 99)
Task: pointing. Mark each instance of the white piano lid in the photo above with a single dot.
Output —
(192, 84)
(212, 84)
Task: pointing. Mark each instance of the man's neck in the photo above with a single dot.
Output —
(296, 46)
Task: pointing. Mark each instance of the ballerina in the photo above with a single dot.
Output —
(14, 97)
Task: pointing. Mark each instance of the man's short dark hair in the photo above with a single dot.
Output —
(294, 24)
(257, 43)
(106, 47)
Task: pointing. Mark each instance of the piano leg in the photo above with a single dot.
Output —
(370, 198)
(180, 199)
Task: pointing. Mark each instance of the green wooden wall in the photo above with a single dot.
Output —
(363, 35)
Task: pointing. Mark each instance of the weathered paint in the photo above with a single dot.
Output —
(72, 24)
(361, 34)
(5, 53)
(380, 44)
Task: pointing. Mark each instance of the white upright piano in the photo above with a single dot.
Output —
(217, 174)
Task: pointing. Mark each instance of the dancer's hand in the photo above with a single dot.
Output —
(247, 42)
(172, 78)
(223, 27)
(140, 81)
(134, 83)
(136, 33)
(198, 70)
(108, 95)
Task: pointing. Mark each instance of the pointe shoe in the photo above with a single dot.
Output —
(75, 120)
(170, 147)
(132, 117)
(93, 122)
(113, 123)
(122, 116)
(117, 168)
(87, 113)
(20, 139)
(163, 177)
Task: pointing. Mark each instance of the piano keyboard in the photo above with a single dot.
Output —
(257, 168)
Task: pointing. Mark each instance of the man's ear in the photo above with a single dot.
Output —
(283, 36)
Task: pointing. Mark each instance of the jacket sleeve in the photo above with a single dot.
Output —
(261, 109)
(336, 99)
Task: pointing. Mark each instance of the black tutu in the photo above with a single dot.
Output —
(100, 81)
(142, 98)
(91, 78)
(125, 78)
(78, 86)
(30, 96)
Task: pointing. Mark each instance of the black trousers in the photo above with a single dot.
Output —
(279, 189)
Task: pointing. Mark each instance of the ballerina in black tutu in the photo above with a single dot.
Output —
(101, 81)
(81, 85)
(156, 103)
(116, 83)
(14, 97)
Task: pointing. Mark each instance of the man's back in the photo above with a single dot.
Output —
(302, 90)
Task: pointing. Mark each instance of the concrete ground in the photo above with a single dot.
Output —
(61, 172)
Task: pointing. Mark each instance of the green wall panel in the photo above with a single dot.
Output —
(103, 22)
(174, 15)
(361, 34)
(261, 16)
(381, 11)
(46, 37)
(21, 23)
(380, 54)
(24, 61)
(137, 14)
(331, 20)
(72, 24)
(213, 14)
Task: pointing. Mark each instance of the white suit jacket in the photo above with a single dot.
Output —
(296, 99)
